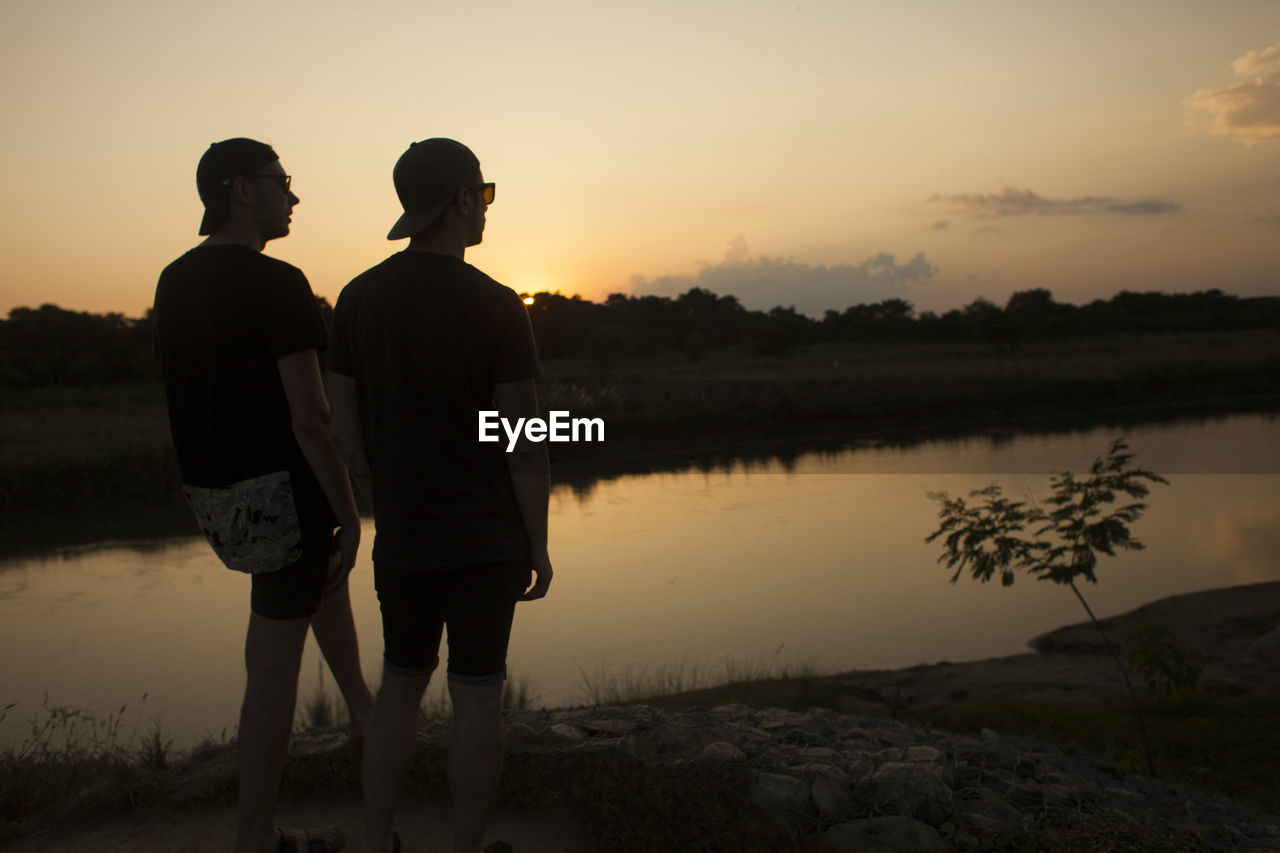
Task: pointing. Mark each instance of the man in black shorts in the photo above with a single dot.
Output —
(237, 335)
(421, 344)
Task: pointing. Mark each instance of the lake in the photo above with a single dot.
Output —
(690, 574)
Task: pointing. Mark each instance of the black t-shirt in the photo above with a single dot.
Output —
(426, 336)
(223, 317)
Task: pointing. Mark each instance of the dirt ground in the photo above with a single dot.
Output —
(422, 827)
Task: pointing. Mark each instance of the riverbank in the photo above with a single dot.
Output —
(710, 771)
(67, 450)
(1237, 629)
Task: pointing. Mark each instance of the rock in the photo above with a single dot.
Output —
(1026, 797)
(613, 727)
(803, 779)
(911, 790)
(861, 768)
(921, 753)
(1268, 643)
(680, 736)
(567, 733)
(1032, 768)
(894, 834)
(816, 753)
(993, 808)
(780, 795)
(521, 730)
(829, 770)
(910, 754)
(830, 798)
(720, 751)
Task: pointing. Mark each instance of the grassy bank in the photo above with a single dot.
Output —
(73, 449)
(1224, 745)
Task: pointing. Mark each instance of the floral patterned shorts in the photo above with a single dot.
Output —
(252, 525)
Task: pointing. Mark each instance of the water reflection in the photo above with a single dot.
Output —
(814, 557)
(1190, 444)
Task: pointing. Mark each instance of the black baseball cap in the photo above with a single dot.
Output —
(222, 163)
(426, 177)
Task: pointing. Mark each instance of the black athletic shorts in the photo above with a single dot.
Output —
(476, 602)
(294, 591)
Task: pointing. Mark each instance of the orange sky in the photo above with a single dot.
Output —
(781, 151)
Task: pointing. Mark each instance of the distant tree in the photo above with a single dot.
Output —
(719, 319)
(560, 322)
(985, 322)
(694, 346)
(608, 345)
(1030, 304)
(49, 346)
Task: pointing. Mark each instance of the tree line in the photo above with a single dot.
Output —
(700, 320)
(53, 346)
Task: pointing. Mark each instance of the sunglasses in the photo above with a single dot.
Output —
(285, 180)
(488, 188)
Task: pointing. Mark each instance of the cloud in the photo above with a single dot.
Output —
(762, 283)
(1249, 108)
(940, 225)
(1142, 208)
(1012, 201)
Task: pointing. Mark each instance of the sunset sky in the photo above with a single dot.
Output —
(815, 154)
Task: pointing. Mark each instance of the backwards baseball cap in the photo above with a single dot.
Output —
(221, 164)
(426, 177)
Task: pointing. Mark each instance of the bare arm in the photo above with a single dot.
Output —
(346, 429)
(309, 411)
(530, 478)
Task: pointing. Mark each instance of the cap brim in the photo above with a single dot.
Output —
(211, 221)
(214, 218)
(416, 222)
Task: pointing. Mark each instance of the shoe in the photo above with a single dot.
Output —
(499, 847)
(327, 840)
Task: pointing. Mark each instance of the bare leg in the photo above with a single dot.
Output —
(475, 760)
(335, 632)
(389, 750)
(272, 655)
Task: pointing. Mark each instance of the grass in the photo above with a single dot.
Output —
(1222, 744)
(657, 686)
(322, 710)
(80, 765)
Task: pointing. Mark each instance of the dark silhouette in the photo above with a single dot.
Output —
(422, 343)
(237, 333)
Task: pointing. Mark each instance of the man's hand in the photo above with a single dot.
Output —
(346, 542)
(542, 572)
